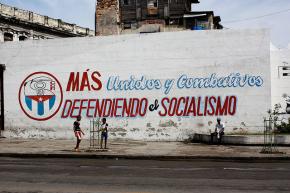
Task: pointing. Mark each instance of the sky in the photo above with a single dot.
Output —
(235, 14)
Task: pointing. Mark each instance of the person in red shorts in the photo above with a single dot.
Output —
(78, 132)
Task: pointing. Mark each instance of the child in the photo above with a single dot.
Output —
(78, 132)
(104, 134)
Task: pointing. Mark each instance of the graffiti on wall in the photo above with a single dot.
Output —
(41, 95)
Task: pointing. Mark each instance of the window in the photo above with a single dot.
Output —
(201, 24)
(22, 38)
(126, 2)
(152, 3)
(127, 25)
(152, 6)
(8, 37)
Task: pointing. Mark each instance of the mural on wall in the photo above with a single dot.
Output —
(162, 86)
(41, 95)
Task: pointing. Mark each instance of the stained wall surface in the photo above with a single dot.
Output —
(163, 86)
(280, 76)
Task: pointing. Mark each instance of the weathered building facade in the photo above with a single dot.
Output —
(19, 25)
(147, 16)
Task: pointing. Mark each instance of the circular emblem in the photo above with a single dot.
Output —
(40, 96)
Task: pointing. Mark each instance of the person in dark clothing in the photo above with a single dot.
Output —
(104, 132)
(78, 132)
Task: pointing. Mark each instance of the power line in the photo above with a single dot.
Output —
(257, 17)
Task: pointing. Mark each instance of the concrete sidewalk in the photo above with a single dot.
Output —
(136, 150)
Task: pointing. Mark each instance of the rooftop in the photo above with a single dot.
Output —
(30, 18)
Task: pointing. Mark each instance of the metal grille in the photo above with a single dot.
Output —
(95, 133)
(270, 144)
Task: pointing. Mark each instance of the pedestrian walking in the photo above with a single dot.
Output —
(78, 132)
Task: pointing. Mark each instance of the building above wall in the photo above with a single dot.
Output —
(148, 16)
(19, 25)
(201, 20)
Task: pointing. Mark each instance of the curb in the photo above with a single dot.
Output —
(236, 144)
(147, 157)
(241, 140)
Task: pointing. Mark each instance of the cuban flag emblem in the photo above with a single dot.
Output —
(40, 100)
(39, 94)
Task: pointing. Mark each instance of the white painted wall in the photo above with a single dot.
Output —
(161, 56)
(280, 64)
(1, 36)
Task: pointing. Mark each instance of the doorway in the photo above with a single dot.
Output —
(2, 69)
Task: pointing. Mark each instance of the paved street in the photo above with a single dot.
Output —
(122, 176)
